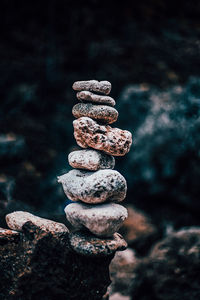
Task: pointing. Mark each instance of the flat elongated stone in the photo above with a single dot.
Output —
(90, 97)
(17, 219)
(87, 244)
(91, 160)
(93, 85)
(113, 141)
(94, 187)
(103, 113)
(101, 219)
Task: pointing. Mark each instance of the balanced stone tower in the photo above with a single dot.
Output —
(93, 186)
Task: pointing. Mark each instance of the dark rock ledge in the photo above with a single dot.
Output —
(37, 262)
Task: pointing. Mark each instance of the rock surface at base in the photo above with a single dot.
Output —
(87, 244)
(36, 263)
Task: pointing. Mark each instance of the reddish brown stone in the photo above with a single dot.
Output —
(113, 141)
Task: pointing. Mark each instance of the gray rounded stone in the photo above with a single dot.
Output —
(113, 141)
(87, 244)
(101, 220)
(94, 98)
(91, 160)
(94, 187)
(93, 85)
(102, 113)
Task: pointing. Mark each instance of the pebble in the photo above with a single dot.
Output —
(94, 187)
(17, 219)
(113, 141)
(101, 220)
(93, 85)
(87, 244)
(102, 113)
(91, 160)
(99, 99)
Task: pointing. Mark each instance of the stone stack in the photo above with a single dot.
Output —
(93, 186)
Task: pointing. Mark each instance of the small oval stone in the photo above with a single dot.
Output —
(91, 160)
(101, 220)
(94, 187)
(87, 244)
(98, 99)
(113, 141)
(103, 113)
(93, 85)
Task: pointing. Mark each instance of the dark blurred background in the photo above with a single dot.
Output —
(149, 51)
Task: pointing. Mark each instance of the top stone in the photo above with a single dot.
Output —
(103, 87)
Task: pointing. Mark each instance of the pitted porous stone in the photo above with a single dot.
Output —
(8, 236)
(101, 220)
(17, 219)
(90, 245)
(113, 141)
(103, 113)
(91, 160)
(93, 85)
(94, 187)
(99, 99)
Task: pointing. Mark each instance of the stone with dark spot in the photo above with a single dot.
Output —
(91, 160)
(94, 187)
(113, 141)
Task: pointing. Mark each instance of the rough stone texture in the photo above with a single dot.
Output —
(90, 97)
(91, 160)
(8, 236)
(17, 219)
(171, 271)
(101, 113)
(101, 220)
(90, 245)
(40, 264)
(89, 133)
(94, 187)
(93, 85)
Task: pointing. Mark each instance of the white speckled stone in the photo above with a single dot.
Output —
(101, 113)
(87, 244)
(94, 98)
(91, 160)
(101, 220)
(113, 141)
(17, 219)
(93, 85)
(94, 187)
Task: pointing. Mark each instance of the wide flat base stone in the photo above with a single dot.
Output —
(90, 245)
